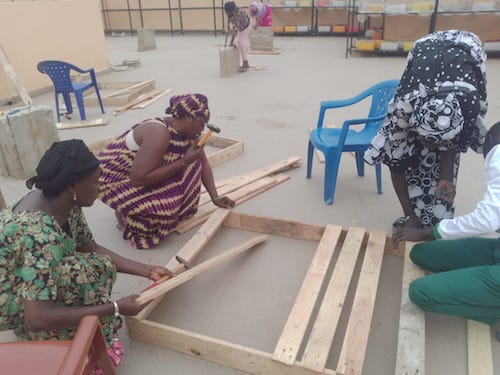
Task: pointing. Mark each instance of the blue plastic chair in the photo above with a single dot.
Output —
(59, 73)
(333, 142)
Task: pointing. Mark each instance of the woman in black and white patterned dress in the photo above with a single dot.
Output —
(437, 113)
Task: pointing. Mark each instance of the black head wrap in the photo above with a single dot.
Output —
(492, 138)
(63, 164)
(230, 6)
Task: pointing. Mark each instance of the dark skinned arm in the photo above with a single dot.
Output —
(46, 315)
(207, 179)
(129, 266)
(401, 189)
(445, 189)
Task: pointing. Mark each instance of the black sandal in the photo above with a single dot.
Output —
(242, 69)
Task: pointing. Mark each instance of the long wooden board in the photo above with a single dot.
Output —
(164, 287)
(321, 338)
(411, 338)
(293, 334)
(480, 357)
(9, 70)
(355, 343)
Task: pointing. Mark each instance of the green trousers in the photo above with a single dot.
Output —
(465, 280)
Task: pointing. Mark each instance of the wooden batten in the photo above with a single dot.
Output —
(411, 338)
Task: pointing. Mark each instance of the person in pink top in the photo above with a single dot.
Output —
(261, 14)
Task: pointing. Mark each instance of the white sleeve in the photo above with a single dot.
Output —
(486, 216)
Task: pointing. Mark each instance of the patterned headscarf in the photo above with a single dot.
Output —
(189, 105)
(63, 164)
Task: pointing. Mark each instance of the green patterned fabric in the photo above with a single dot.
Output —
(40, 262)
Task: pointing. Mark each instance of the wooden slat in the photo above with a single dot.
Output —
(321, 338)
(355, 343)
(146, 103)
(240, 357)
(239, 196)
(136, 101)
(411, 338)
(293, 333)
(225, 154)
(191, 250)
(81, 124)
(9, 70)
(276, 227)
(480, 357)
(130, 88)
(164, 287)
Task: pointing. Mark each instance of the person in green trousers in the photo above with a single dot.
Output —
(466, 269)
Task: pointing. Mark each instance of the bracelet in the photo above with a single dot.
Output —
(117, 309)
(436, 233)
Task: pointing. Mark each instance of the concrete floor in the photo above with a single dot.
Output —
(247, 301)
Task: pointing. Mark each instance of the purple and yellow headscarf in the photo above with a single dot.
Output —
(189, 106)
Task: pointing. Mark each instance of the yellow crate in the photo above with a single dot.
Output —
(407, 46)
(290, 29)
(278, 29)
(427, 6)
(365, 45)
(338, 28)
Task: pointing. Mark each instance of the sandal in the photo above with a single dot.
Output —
(242, 69)
(403, 221)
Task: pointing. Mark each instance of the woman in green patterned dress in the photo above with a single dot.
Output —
(52, 272)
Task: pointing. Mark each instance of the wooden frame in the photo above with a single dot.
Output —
(227, 148)
(339, 249)
(334, 242)
(125, 92)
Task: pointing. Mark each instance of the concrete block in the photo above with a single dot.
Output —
(262, 39)
(145, 40)
(24, 138)
(229, 58)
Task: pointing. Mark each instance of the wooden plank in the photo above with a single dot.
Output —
(479, 353)
(2, 201)
(9, 70)
(318, 346)
(137, 100)
(411, 338)
(275, 227)
(227, 153)
(81, 124)
(130, 88)
(164, 287)
(191, 250)
(146, 103)
(220, 142)
(263, 52)
(239, 196)
(355, 343)
(240, 357)
(245, 178)
(293, 333)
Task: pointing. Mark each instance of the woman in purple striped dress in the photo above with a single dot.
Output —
(152, 173)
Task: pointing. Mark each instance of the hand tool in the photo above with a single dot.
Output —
(211, 129)
(184, 262)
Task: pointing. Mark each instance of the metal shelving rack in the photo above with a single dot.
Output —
(171, 8)
(353, 12)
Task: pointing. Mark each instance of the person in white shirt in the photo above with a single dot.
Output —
(466, 269)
